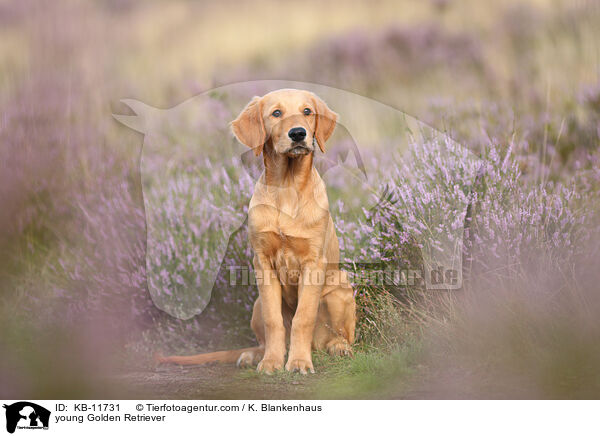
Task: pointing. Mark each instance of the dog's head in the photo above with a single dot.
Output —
(288, 120)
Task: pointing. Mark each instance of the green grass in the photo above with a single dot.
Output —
(370, 373)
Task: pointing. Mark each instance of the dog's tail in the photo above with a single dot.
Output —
(228, 356)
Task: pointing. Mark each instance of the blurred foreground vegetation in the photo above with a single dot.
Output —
(516, 82)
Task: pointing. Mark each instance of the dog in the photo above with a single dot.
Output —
(304, 298)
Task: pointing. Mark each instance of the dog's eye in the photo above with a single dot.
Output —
(307, 111)
(276, 113)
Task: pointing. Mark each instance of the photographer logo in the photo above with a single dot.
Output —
(26, 415)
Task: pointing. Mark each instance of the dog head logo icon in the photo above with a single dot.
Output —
(26, 415)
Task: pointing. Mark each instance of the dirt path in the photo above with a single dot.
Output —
(227, 382)
(212, 382)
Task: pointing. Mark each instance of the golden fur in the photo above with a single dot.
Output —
(304, 298)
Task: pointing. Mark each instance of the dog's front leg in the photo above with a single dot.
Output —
(303, 323)
(269, 289)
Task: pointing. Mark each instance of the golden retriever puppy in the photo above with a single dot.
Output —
(304, 299)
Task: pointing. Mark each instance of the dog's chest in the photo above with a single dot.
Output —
(287, 261)
(287, 230)
(286, 256)
(284, 252)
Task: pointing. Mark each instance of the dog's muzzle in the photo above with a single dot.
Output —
(298, 149)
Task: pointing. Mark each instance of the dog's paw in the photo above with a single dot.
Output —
(340, 348)
(302, 365)
(245, 360)
(269, 366)
(248, 359)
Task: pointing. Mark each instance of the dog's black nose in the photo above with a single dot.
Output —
(297, 134)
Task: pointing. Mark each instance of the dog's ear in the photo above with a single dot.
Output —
(249, 127)
(326, 120)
